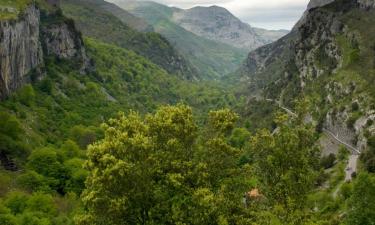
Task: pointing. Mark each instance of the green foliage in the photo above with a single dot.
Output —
(239, 137)
(46, 163)
(32, 181)
(285, 167)
(96, 20)
(10, 136)
(155, 171)
(26, 95)
(361, 206)
(328, 161)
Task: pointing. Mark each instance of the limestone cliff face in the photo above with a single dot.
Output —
(26, 41)
(321, 57)
(20, 50)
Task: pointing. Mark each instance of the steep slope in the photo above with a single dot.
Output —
(328, 59)
(99, 19)
(210, 58)
(218, 24)
(126, 17)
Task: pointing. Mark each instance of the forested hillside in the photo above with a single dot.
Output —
(103, 121)
(104, 21)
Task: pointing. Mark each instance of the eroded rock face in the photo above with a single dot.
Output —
(20, 50)
(63, 41)
(367, 3)
(25, 42)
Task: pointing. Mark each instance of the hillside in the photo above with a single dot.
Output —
(328, 60)
(211, 59)
(104, 21)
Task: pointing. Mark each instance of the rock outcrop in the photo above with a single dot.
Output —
(20, 50)
(320, 59)
(26, 41)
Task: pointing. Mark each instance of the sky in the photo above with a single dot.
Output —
(269, 14)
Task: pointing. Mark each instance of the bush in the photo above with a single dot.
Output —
(45, 162)
(8, 219)
(32, 181)
(83, 136)
(355, 106)
(41, 203)
(328, 161)
(16, 202)
(343, 153)
(26, 95)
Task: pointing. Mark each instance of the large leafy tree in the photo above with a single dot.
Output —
(158, 170)
(285, 166)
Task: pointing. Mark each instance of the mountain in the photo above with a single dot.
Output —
(105, 21)
(210, 58)
(328, 59)
(218, 24)
(126, 17)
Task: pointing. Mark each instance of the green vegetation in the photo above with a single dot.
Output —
(92, 18)
(134, 142)
(11, 9)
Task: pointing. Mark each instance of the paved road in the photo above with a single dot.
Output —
(341, 142)
(353, 158)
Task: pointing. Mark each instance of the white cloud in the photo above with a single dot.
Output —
(271, 14)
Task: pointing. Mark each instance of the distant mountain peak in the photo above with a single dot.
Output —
(219, 24)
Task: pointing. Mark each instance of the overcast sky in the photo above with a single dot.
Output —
(270, 14)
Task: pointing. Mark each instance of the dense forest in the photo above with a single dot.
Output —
(107, 122)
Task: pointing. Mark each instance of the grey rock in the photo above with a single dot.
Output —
(21, 48)
(218, 24)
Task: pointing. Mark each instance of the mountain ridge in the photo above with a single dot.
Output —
(219, 24)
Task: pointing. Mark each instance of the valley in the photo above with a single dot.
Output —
(135, 112)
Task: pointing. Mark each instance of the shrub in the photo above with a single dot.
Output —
(43, 203)
(83, 136)
(8, 219)
(328, 161)
(32, 181)
(16, 202)
(45, 162)
(26, 95)
(343, 153)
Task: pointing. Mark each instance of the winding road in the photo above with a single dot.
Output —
(353, 158)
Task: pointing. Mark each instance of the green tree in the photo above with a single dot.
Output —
(153, 170)
(285, 166)
(45, 162)
(361, 205)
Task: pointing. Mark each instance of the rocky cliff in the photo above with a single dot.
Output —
(26, 41)
(328, 59)
(20, 50)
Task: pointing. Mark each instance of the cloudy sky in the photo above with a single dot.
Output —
(270, 14)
